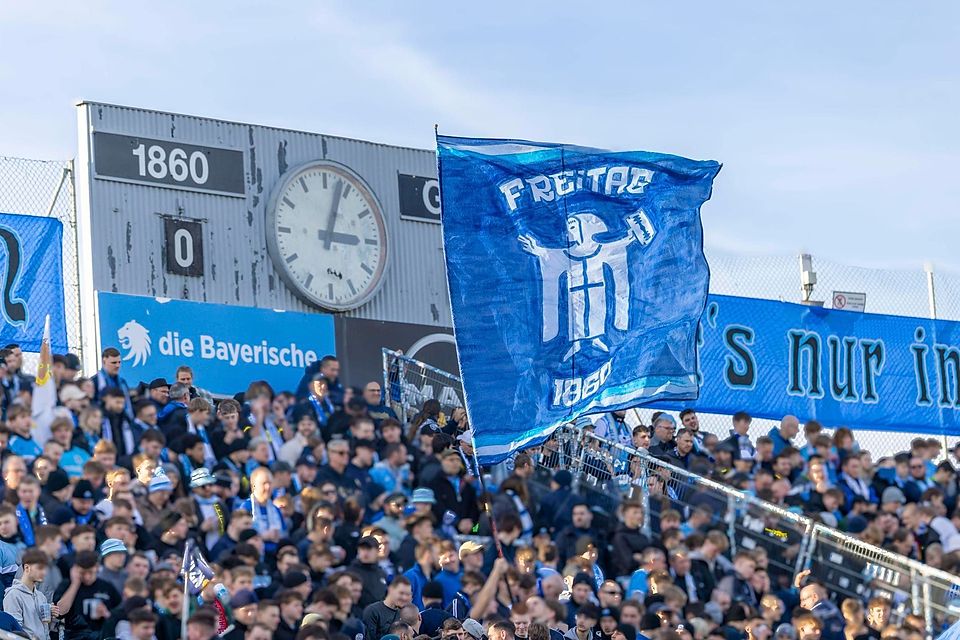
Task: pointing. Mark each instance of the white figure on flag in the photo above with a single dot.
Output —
(584, 264)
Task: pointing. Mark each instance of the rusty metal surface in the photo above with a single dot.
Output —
(126, 220)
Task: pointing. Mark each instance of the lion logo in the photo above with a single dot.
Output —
(135, 339)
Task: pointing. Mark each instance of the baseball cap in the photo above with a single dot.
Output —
(466, 436)
(368, 542)
(311, 618)
(563, 478)
(474, 628)
(246, 534)
(469, 547)
(243, 598)
(71, 392)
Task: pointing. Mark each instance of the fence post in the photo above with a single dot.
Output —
(927, 608)
(932, 303)
(645, 494)
(806, 548)
(915, 598)
(732, 524)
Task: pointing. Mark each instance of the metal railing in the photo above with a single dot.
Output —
(607, 473)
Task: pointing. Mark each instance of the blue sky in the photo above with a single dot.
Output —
(836, 122)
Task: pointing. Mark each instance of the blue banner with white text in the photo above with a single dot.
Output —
(227, 347)
(577, 279)
(842, 368)
(31, 283)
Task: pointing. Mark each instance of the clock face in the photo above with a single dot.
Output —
(326, 235)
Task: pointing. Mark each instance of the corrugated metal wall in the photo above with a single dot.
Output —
(127, 225)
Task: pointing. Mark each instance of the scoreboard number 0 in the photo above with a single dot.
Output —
(155, 162)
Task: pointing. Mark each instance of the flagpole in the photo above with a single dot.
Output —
(185, 608)
(488, 508)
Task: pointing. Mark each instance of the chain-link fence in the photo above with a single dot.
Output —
(409, 383)
(922, 292)
(45, 188)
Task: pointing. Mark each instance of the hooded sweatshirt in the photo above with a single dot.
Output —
(24, 605)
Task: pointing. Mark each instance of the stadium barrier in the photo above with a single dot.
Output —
(607, 473)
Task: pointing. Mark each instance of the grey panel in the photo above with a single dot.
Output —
(128, 231)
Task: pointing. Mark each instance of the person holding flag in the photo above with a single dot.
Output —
(43, 402)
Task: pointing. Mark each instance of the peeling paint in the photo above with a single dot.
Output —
(435, 312)
(112, 261)
(249, 218)
(254, 280)
(236, 279)
(173, 126)
(153, 276)
(282, 156)
(271, 285)
(129, 240)
(323, 146)
(256, 175)
(213, 269)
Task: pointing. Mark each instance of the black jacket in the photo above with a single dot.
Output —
(463, 505)
(703, 581)
(625, 543)
(374, 583)
(567, 541)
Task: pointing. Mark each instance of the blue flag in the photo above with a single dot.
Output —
(195, 569)
(577, 279)
(31, 285)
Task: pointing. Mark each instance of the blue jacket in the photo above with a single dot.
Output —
(779, 442)
(417, 581)
(451, 585)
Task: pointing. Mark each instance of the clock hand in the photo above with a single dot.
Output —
(332, 220)
(339, 238)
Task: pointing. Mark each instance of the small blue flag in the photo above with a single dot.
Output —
(195, 569)
(577, 280)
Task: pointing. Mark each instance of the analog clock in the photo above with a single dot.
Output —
(327, 236)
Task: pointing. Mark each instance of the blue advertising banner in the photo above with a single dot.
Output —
(842, 368)
(31, 284)
(228, 347)
(577, 279)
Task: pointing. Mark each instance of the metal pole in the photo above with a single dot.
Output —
(185, 609)
(927, 608)
(915, 600)
(932, 302)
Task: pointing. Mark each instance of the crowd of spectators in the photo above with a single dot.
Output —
(325, 517)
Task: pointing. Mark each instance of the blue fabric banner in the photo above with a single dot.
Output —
(226, 346)
(577, 279)
(31, 283)
(842, 368)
